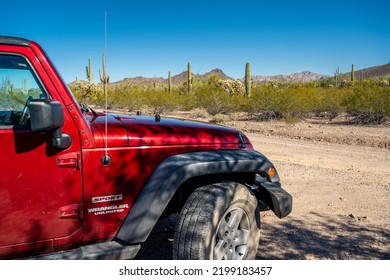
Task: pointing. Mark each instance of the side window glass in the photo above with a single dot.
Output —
(18, 85)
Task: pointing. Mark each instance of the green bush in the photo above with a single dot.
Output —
(159, 101)
(273, 102)
(126, 97)
(213, 98)
(368, 101)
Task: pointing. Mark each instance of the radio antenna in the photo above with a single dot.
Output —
(105, 31)
(106, 159)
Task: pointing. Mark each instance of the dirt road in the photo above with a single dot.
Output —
(339, 177)
(341, 201)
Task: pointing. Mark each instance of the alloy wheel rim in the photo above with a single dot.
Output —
(232, 236)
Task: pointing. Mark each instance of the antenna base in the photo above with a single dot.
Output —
(106, 160)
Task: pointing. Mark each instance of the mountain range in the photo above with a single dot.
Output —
(305, 76)
(176, 80)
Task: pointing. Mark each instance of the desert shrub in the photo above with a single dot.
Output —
(294, 100)
(260, 100)
(330, 103)
(271, 102)
(126, 97)
(232, 87)
(300, 101)
(322, 102)
(219, 118)
(87, 92)
(186, 101)
(368, 101)
(215, 99)
(212, 99)
(159, 101)
(216, 102)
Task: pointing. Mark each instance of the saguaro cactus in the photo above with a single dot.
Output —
(353, 73)
(10, 87)
(25, 87)
(189, 78)
(88, 71)
(169, 82)
(337, 76)
(155, 83)
(104, 78)
(248, 84)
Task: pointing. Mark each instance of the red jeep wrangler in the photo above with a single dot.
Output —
(76, 184)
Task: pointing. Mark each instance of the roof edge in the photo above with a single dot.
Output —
(16, 41)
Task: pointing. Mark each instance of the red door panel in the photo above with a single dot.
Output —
(40, 186)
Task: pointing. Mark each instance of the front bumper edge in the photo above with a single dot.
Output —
(276, 198)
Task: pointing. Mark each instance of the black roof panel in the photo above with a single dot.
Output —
(7, 40)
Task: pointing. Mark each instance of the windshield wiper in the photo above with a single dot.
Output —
(85, 108)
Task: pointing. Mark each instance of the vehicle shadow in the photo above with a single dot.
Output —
(319, 237)
(159, 245)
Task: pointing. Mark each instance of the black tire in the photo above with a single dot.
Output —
(219, 221)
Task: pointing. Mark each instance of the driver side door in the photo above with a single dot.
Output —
(40, 197)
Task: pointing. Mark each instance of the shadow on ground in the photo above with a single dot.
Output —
(313, 237)
(322, 237)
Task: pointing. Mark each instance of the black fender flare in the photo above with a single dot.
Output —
(171, 173)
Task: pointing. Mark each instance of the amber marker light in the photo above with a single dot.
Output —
(271, 172)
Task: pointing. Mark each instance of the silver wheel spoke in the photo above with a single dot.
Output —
(218, 250)
(223, 229)
(242, 237)
(223, 251)
(235, 218)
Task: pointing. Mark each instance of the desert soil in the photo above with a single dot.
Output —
(339, 177)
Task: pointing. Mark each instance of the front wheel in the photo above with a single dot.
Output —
(220, 222)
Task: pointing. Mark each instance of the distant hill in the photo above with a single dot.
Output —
(176, 80)
(374, 72)
(305, 76)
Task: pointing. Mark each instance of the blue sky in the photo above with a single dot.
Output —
(150, 38)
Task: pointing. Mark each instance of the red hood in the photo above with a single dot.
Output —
(134, 131)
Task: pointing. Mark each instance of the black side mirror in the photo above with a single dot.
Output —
(47, 115)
